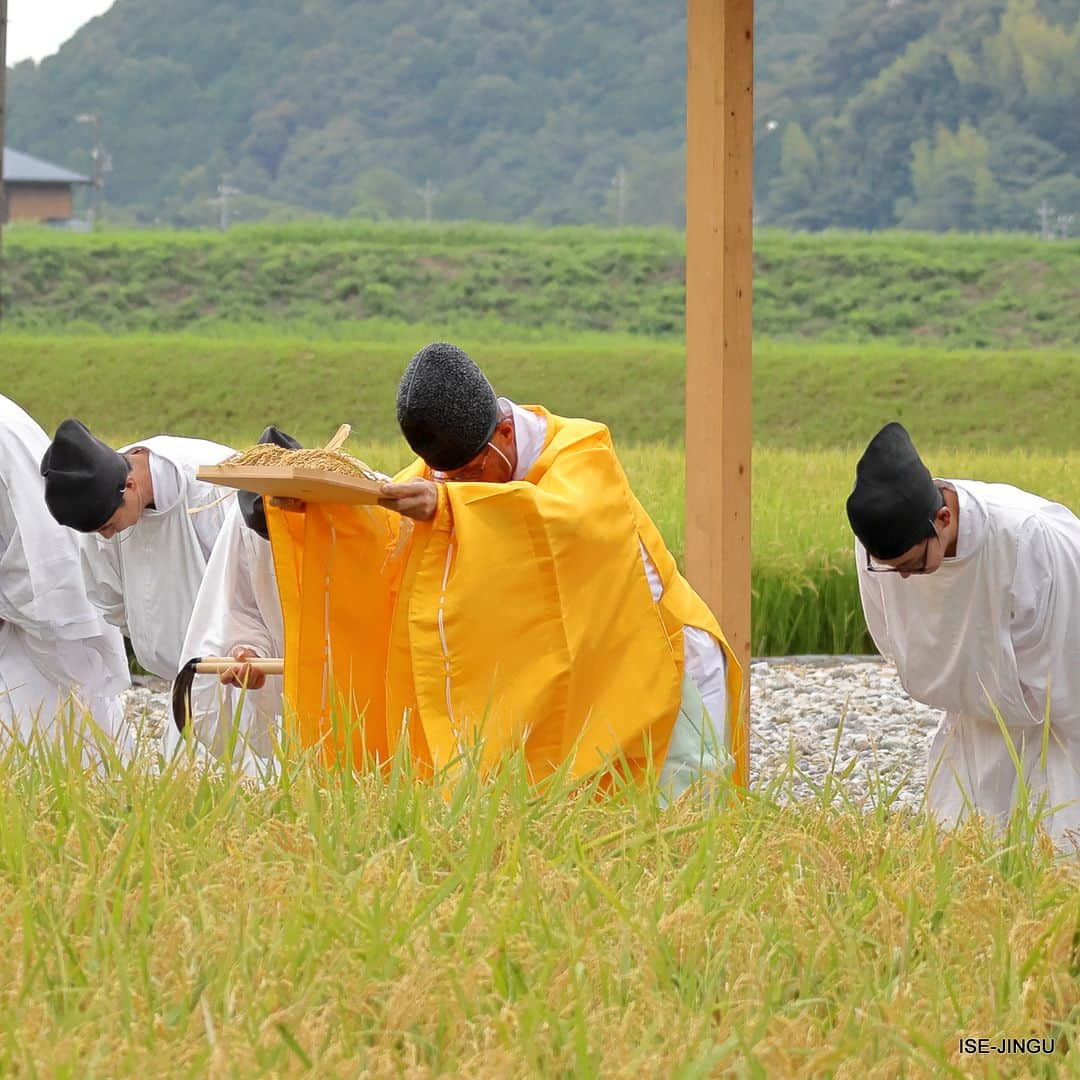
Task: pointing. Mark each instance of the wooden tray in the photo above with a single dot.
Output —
(295, 482)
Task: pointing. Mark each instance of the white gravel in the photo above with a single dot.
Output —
(849, 714)
(807, 715)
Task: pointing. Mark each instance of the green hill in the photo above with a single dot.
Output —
(869, 114)
(928, 115)
(513, 282)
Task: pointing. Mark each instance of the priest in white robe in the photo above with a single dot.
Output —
(973, 590)
(58, 656)
(149, 529)
(238, 614)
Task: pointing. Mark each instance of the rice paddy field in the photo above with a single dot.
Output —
(163, 918)
(190, 924)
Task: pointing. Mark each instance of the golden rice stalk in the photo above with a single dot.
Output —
(335, 461)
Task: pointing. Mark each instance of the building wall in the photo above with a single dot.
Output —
(38, 202)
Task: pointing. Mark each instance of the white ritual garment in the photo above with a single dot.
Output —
(238, 606)
(996, 627)
(146, 578)
(56, 651)
(699, 739)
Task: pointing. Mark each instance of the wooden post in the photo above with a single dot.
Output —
(719, 268)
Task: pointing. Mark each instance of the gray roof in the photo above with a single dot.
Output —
(24, 169)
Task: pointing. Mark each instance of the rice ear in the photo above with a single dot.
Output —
(336, 461)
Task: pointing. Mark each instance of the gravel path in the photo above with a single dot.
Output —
(804, 711)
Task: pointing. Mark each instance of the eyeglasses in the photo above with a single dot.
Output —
(472, 470)
(917, 568)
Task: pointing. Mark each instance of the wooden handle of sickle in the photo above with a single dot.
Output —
(217, 665)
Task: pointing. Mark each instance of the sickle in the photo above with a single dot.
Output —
(210, 665)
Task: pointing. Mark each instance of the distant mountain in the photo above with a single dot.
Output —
(930, 113)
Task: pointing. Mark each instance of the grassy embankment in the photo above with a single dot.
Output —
(813, 410)
(472, 280)
(805, 397)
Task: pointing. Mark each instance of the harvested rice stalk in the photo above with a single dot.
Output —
(335, 461)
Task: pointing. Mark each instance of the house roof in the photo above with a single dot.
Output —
(24, 169)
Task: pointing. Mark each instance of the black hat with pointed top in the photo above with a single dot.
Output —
(84, 478)
(446, 408)
(893, 503)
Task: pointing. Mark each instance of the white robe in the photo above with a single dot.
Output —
(996, 627)
(145, 579)
(698, 743)
(237, 606)
(57, 654)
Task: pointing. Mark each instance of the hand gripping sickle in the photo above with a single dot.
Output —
(209, 665)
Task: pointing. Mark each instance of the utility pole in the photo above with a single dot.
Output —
(1046, 226)
(620, 183)
(101, 164)
(3, 93)
(224, 192)
(428, 193)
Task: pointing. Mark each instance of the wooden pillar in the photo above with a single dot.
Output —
(719, 267)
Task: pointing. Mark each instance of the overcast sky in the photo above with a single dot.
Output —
(37, 28)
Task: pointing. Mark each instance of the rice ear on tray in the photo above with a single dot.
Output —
(335, 461)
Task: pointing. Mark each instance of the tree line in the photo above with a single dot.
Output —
(870, 114)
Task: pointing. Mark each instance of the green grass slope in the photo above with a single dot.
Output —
(976, 291)
(804, 396)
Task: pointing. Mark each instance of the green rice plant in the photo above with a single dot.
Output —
(171, 919)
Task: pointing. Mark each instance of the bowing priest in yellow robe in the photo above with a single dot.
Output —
(508, 595)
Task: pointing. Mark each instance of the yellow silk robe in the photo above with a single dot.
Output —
(519, 618)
